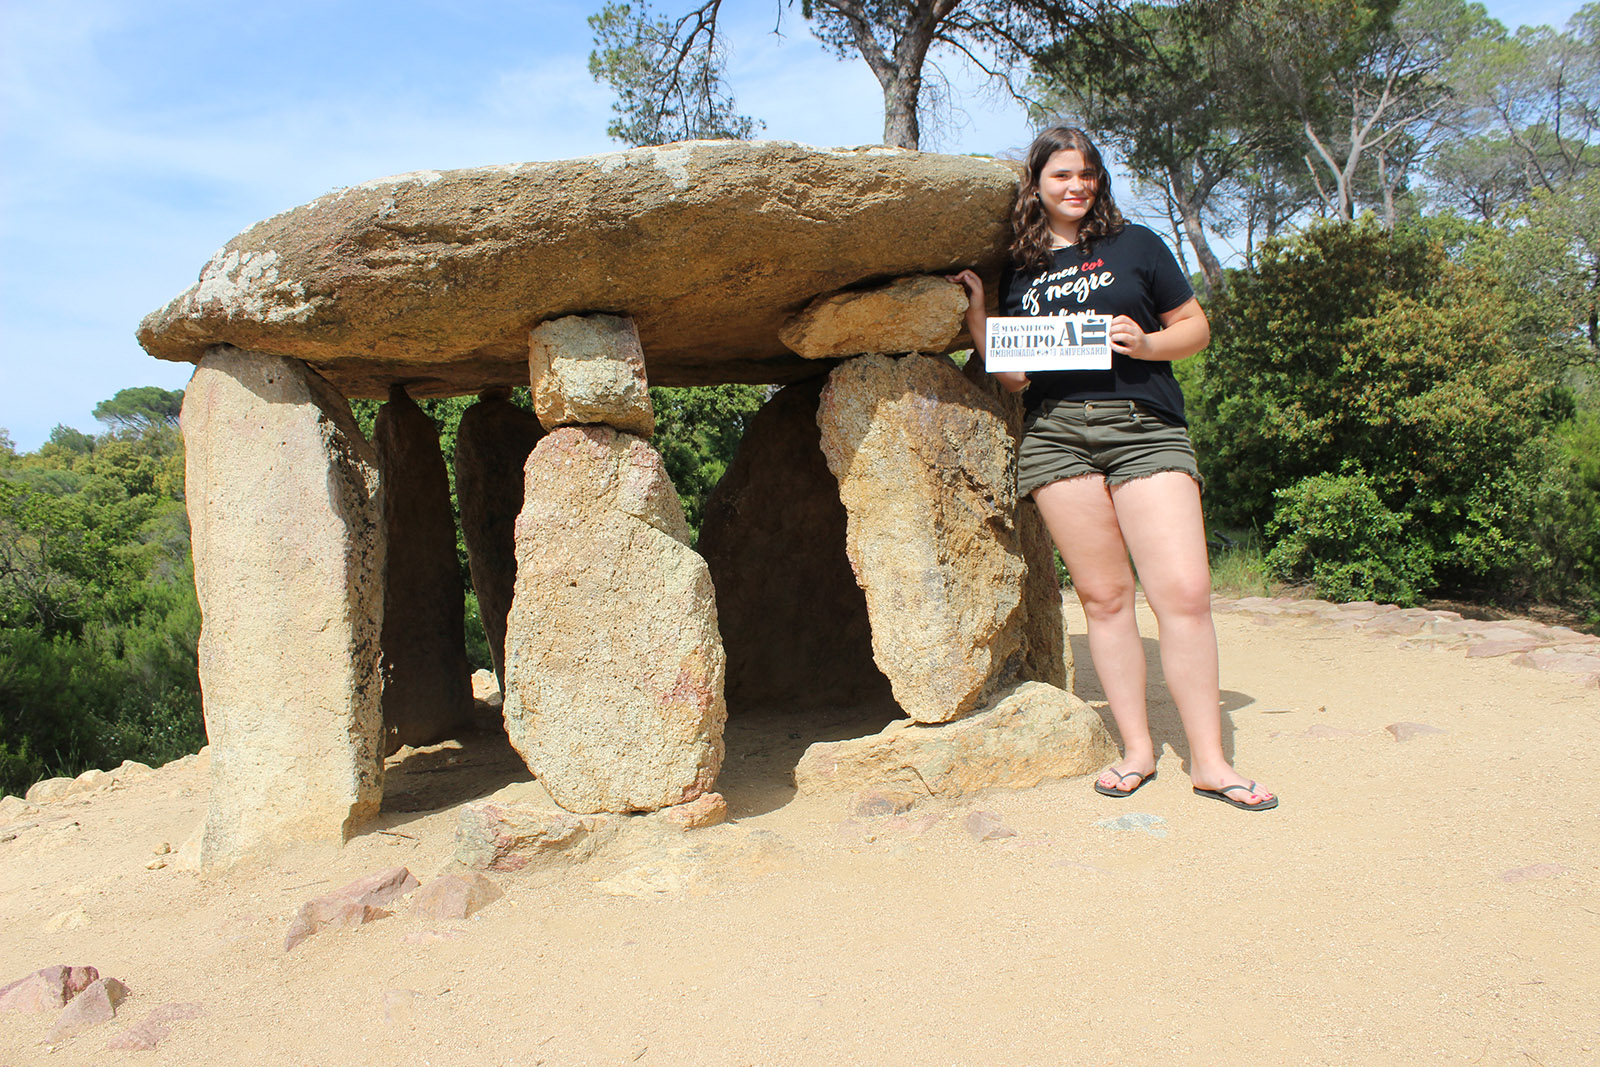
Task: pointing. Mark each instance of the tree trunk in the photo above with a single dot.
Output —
(900, 128)
(1187, 198)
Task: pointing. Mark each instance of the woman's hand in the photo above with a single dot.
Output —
(1129, 338)
(1184, 331)
(977, 314)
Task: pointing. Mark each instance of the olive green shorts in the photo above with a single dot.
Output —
(1119, 439)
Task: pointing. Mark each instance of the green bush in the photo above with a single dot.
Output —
(1333, 533)
(1350, 347)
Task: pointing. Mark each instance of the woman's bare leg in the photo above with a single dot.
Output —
(1083, 523)
(1160, 521)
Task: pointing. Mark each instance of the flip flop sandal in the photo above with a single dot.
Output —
(1107, 791)
(1222, 795)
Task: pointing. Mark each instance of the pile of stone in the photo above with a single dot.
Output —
(867, 540)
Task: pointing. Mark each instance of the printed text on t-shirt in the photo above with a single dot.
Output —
(1075, 282)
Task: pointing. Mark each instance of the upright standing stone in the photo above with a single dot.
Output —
(794, 622)
(288, 555)
(427, 683)
(928, 478)
(492, 446)
(1046, 657)
(614, 666)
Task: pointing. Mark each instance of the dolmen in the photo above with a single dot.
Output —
(866, 544)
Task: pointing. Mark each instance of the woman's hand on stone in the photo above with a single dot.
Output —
(969, 281)
(1014, 381)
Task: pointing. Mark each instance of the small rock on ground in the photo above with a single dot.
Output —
(1136, 822)
(95, 1005)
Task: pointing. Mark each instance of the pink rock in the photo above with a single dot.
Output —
(707, 809)
(986, 826)
(876, 803)
(154, 1028)
(353, 905)
(97, 1004)
(1534, 872)
(1398, 623)
(1501, 647)
(1324, 732)
(48, 989)
(1564, 662)
(455, 896)
(1407, 731)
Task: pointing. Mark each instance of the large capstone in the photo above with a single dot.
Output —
(927, 474)
(434, 279)
(288, 560)
(492, 445)
(427, 683)
(614, 666)
(794, 622)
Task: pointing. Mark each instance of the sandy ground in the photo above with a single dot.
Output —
(1427, 901)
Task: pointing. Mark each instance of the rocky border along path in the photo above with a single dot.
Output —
(1534, 644)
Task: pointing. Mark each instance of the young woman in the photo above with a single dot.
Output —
(1106, 456)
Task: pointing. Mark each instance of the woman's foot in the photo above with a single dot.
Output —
(1114, 782)
(1233, 788)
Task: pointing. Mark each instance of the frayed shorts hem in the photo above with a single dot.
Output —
(1119, 440)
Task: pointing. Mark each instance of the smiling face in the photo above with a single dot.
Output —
(1067, 188)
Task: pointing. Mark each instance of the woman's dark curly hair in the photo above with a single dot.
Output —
(1030, 227)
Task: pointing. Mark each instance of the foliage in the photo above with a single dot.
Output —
(98, 617)
(667, 76)
(698, 429)
(142, 407)
(1334, 533)
(1569, 516)
(1553, 257)
(1351, 348)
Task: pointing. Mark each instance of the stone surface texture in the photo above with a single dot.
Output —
(47, 989)
(928, 479)
(794, 622)
(288, 560)
(1047, 654)
(148, 1033)
(361, 901)
(614, 665)
(1033, 732)
(95, 1005)
(455, 896)
(492, 446)
(511, 836)
(588, 369)
(435, 278)
(919, 314)
(427, 688)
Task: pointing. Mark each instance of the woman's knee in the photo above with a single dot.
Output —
(1104, 601)
(1188, 596)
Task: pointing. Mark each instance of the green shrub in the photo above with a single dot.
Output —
(1333, 532)
(1350, 346)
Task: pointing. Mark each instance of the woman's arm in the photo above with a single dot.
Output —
(977, 321)
(1184, 331)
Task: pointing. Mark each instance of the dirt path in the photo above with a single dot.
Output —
(1432, 900)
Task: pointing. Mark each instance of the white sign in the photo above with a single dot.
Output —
(1050, 342)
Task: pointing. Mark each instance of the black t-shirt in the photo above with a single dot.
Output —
(1132, 273)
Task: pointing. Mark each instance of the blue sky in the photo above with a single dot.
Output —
(138, 136)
